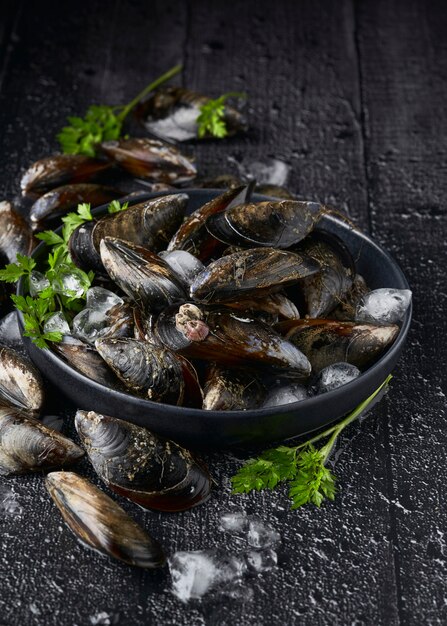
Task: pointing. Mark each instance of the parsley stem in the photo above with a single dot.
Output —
(156, 83)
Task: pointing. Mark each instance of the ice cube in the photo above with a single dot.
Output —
(102, 300)
(335, 375)
(262, 535)
(10, 333)
(184, 264)
(262, 560)
(69, 285)
(383, 306)
(57, 323)
(286, 394)
(37, 283)
(90, 324)
(268, 172)
(234, 522)
(8, 502)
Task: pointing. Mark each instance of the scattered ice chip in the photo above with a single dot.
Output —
(37, 283)
(180, 125)
(8, 502)
(184, 264)
(335, 375)
(100, 619)
(90, 324)
(69, 285)
(102, 300)
(234, 522)
(262, 560)
(262, 535)
(57, 323)
(268, 172)
(383, 306)
(286, 394)
(237, 590)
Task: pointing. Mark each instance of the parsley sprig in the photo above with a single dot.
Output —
(211, 120)
(303, 467)
(103, 122)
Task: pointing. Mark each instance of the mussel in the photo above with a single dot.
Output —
(193, 235)
(21, 384)
(325, 342)
(26, 445)
(231, 390)
(220, 335)
(66, 198)
(151, 159)
(141, 274)
(269, 308)
(345, 310)
(16, 236)
(92, 324)
(273, 223)
(60, 169)
(86, 360)
(250, 271)
(275, 191)
(100, 523)
(152, 471)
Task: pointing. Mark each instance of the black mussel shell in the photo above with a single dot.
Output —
(346, 309)
(273, 223)
(26, 445)
(21, 385)
(221, 335)
(100, 523)
(86, 360)
(251, 271)
(16, 236)
(267, 307)
(141, 274)
(325, 342)
(275, 191)
(151, 159)
(231, 390)
(147, 370)
(60, 169)
(193, 236)
(152, 471)
(223, 181)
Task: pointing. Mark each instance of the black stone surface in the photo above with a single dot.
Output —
(352, 96)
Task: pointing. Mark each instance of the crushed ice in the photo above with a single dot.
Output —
(383, 306)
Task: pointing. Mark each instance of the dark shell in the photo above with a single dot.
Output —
(251, 271)
(325, 342)
(86, 360)
(21, 385)
(150, 224)
(171, 113)
(275, 191)
(269, 308)
(220, 335)
(151, 159)
(147, 370)
(60, 169)
(141, 274)
(231, 390)
(26, 445)
(345, 310)
(275, 223)
(193, 235)
(66, 198)
(152, 471)
(100, 523)
(224, 181)
(16, 236)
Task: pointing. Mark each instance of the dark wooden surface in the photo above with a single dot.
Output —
(353, 97)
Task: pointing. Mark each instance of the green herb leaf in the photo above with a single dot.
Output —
(73, 220)
(313, 481)
(49, 237)
(211, 121)
(116, 207)
(14, 271)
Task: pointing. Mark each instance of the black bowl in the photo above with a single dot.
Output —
(206, 429)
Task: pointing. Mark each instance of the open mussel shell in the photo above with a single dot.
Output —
(152, 471)
(26, 445)
(147, 370)
(16, 236)
(220, 335)
(272, 223)
(101, 523)
(171, 113)
(86, 360)
(194, 237)
(231, 390)
(60, 200)
(325, 342)
(60, 169)
(151, 159)
(141, 274)
(21, 385)
(251, 271)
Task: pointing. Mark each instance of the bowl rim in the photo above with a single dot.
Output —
(247, 414)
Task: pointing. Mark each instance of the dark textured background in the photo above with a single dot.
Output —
(353, 96)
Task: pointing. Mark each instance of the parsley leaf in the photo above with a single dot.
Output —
(14, 271)
(211, 121)
(116, 207)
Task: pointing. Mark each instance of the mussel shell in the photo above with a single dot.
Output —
(273, 223)
(141, 274)
(66, 198)
(16, 236)
(345, 310)
(21, 385)
(268, 307)
(193, 236)
(118, 322)
(26, 445)
(86, 360)
(151, 159)
(147, 370)
(231, 390)
(223, 181)
(251, 271)
(152, 471)
(325, 342)
(100, 523)
(60, 169)
(230, 340)
(275, 191)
